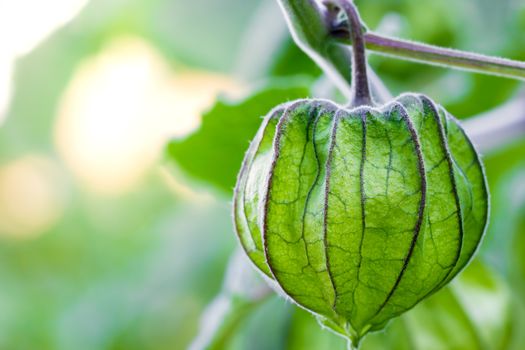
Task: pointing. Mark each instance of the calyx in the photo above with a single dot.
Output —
(358, 213)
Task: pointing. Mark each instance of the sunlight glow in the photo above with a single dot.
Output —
(23, 25)
(182, 190)
(32, 196)
(6, 68)
(121, 108)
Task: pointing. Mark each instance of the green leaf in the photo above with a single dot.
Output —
(214, 153)
(233, 311)
(519, 247)
(512, 213)
(291, 60)
(305, 333)
(504, 246)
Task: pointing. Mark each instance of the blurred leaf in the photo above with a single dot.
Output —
(474, 312)
(485, 93)
(233, 311)
(212, 44)
(243, 291)
(500, 162)
(291, 60)
(506, 174)
(306, 333)
(514, 216)
(257, 325)
(519, 247)
(266, 328)
(214, 153)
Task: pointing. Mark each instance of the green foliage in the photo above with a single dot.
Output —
(291, 61)
(214, 153)
(238, 310)
(519, 247)
(137, 271)
(360, 214)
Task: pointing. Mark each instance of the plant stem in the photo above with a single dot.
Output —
(243, 290)
(308, 23)
(435, 55)
(495, 129)
(313, 26)
(360, 86)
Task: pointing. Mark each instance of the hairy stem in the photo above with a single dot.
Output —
(360, 86)
(309, 24)
(314, 27)
(435, 55)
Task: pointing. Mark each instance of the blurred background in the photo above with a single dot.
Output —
(108, 241)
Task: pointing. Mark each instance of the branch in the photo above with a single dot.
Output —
(438, 56)
(308, 23)
(360, 83)
(242, 291)
(494, 129)
(316, 28)
(499, 127)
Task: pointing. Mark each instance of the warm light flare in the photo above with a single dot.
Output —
(32, 196)
(23, 25)
(121, 108)
(6, 68)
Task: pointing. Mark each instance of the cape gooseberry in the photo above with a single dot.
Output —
(359, 214)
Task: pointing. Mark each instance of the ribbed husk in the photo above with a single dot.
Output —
(360, 214)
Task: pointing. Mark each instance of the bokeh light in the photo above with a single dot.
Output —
(5, 85)
(17, 36)
(33, 196)
(120, 109)
(23, 25)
